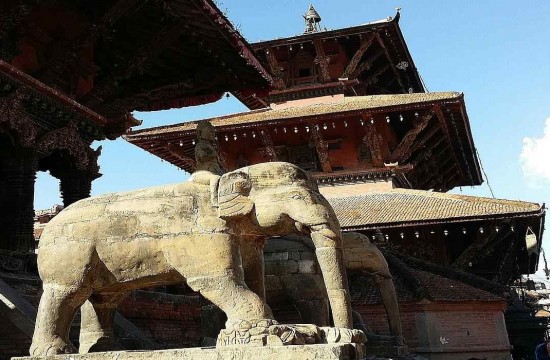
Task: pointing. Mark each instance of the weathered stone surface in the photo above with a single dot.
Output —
(305, 352)
(209, 232)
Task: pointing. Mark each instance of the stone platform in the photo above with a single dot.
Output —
(298, 352)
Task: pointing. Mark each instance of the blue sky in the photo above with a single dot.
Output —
(495, 51)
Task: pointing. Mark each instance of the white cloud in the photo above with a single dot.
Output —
(535, 158)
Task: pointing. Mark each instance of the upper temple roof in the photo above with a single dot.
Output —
(341, 105)
(430, 126)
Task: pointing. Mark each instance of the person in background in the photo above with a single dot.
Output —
(542, 351)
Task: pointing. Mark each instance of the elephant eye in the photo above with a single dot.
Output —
(297, 197)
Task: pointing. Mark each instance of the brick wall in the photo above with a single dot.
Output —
(172, 321)
(12, 341)
(447, 330)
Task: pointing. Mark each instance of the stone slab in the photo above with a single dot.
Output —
(300, 352)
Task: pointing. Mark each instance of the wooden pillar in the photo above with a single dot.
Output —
(75, 185)
(18, 174)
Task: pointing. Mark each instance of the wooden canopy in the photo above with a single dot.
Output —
(116, 56)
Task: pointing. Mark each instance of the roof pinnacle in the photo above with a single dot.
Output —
(312, 19)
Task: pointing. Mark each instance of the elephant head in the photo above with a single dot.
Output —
(277, 199)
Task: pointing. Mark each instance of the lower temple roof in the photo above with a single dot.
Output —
(415, 283)
(405, 207)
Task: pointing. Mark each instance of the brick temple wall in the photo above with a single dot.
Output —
(12, 341)
(447, 330)
(172, 321)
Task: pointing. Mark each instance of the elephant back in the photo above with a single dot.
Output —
(155, 211)
(268, 175)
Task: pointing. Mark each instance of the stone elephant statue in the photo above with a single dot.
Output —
(99, 249)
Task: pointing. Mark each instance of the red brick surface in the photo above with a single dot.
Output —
(445, 327)
(170, 324)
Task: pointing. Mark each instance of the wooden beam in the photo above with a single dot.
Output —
(322, 60)
(322, 148)
(445, 129)
(403, 150)
(275, 69)
(365, 44)
(478, 249)
(435, 167)
(421, 143)
(268, 144)
(396, 72)
(373, 79)
(178, 153)
(366, 65)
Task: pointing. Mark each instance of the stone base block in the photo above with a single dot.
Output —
(298, 352)
(387, 351)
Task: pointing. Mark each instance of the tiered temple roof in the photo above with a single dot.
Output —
(414, 127)
(368, 59)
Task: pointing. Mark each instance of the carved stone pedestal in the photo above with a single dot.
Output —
(302, 352)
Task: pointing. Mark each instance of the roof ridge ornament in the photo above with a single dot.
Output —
(312, 19)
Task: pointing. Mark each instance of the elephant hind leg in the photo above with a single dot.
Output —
(97, 323)
(233, 297)
(58, 306)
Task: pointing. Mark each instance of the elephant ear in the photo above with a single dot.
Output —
(233, 191)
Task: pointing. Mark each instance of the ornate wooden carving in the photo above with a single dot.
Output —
(275, 69)
(403, 150)
(68, 139)
(396, 72)
(365, 44)
(322, 148)
(322, 60)
(374, 140)
(14, 116)
(375, 77)
(8, 22)
(66, 55)
(109, 85)
(270, 152)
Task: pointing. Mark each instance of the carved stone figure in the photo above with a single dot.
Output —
(207, 155)
(99, 249)
(372, 261)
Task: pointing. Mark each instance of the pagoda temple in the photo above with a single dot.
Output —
(349, 106)
(382, 149)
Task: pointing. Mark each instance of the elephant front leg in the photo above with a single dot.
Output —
(212, 265)
(230, 293)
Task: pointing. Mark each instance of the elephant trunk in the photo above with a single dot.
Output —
(328, 249)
